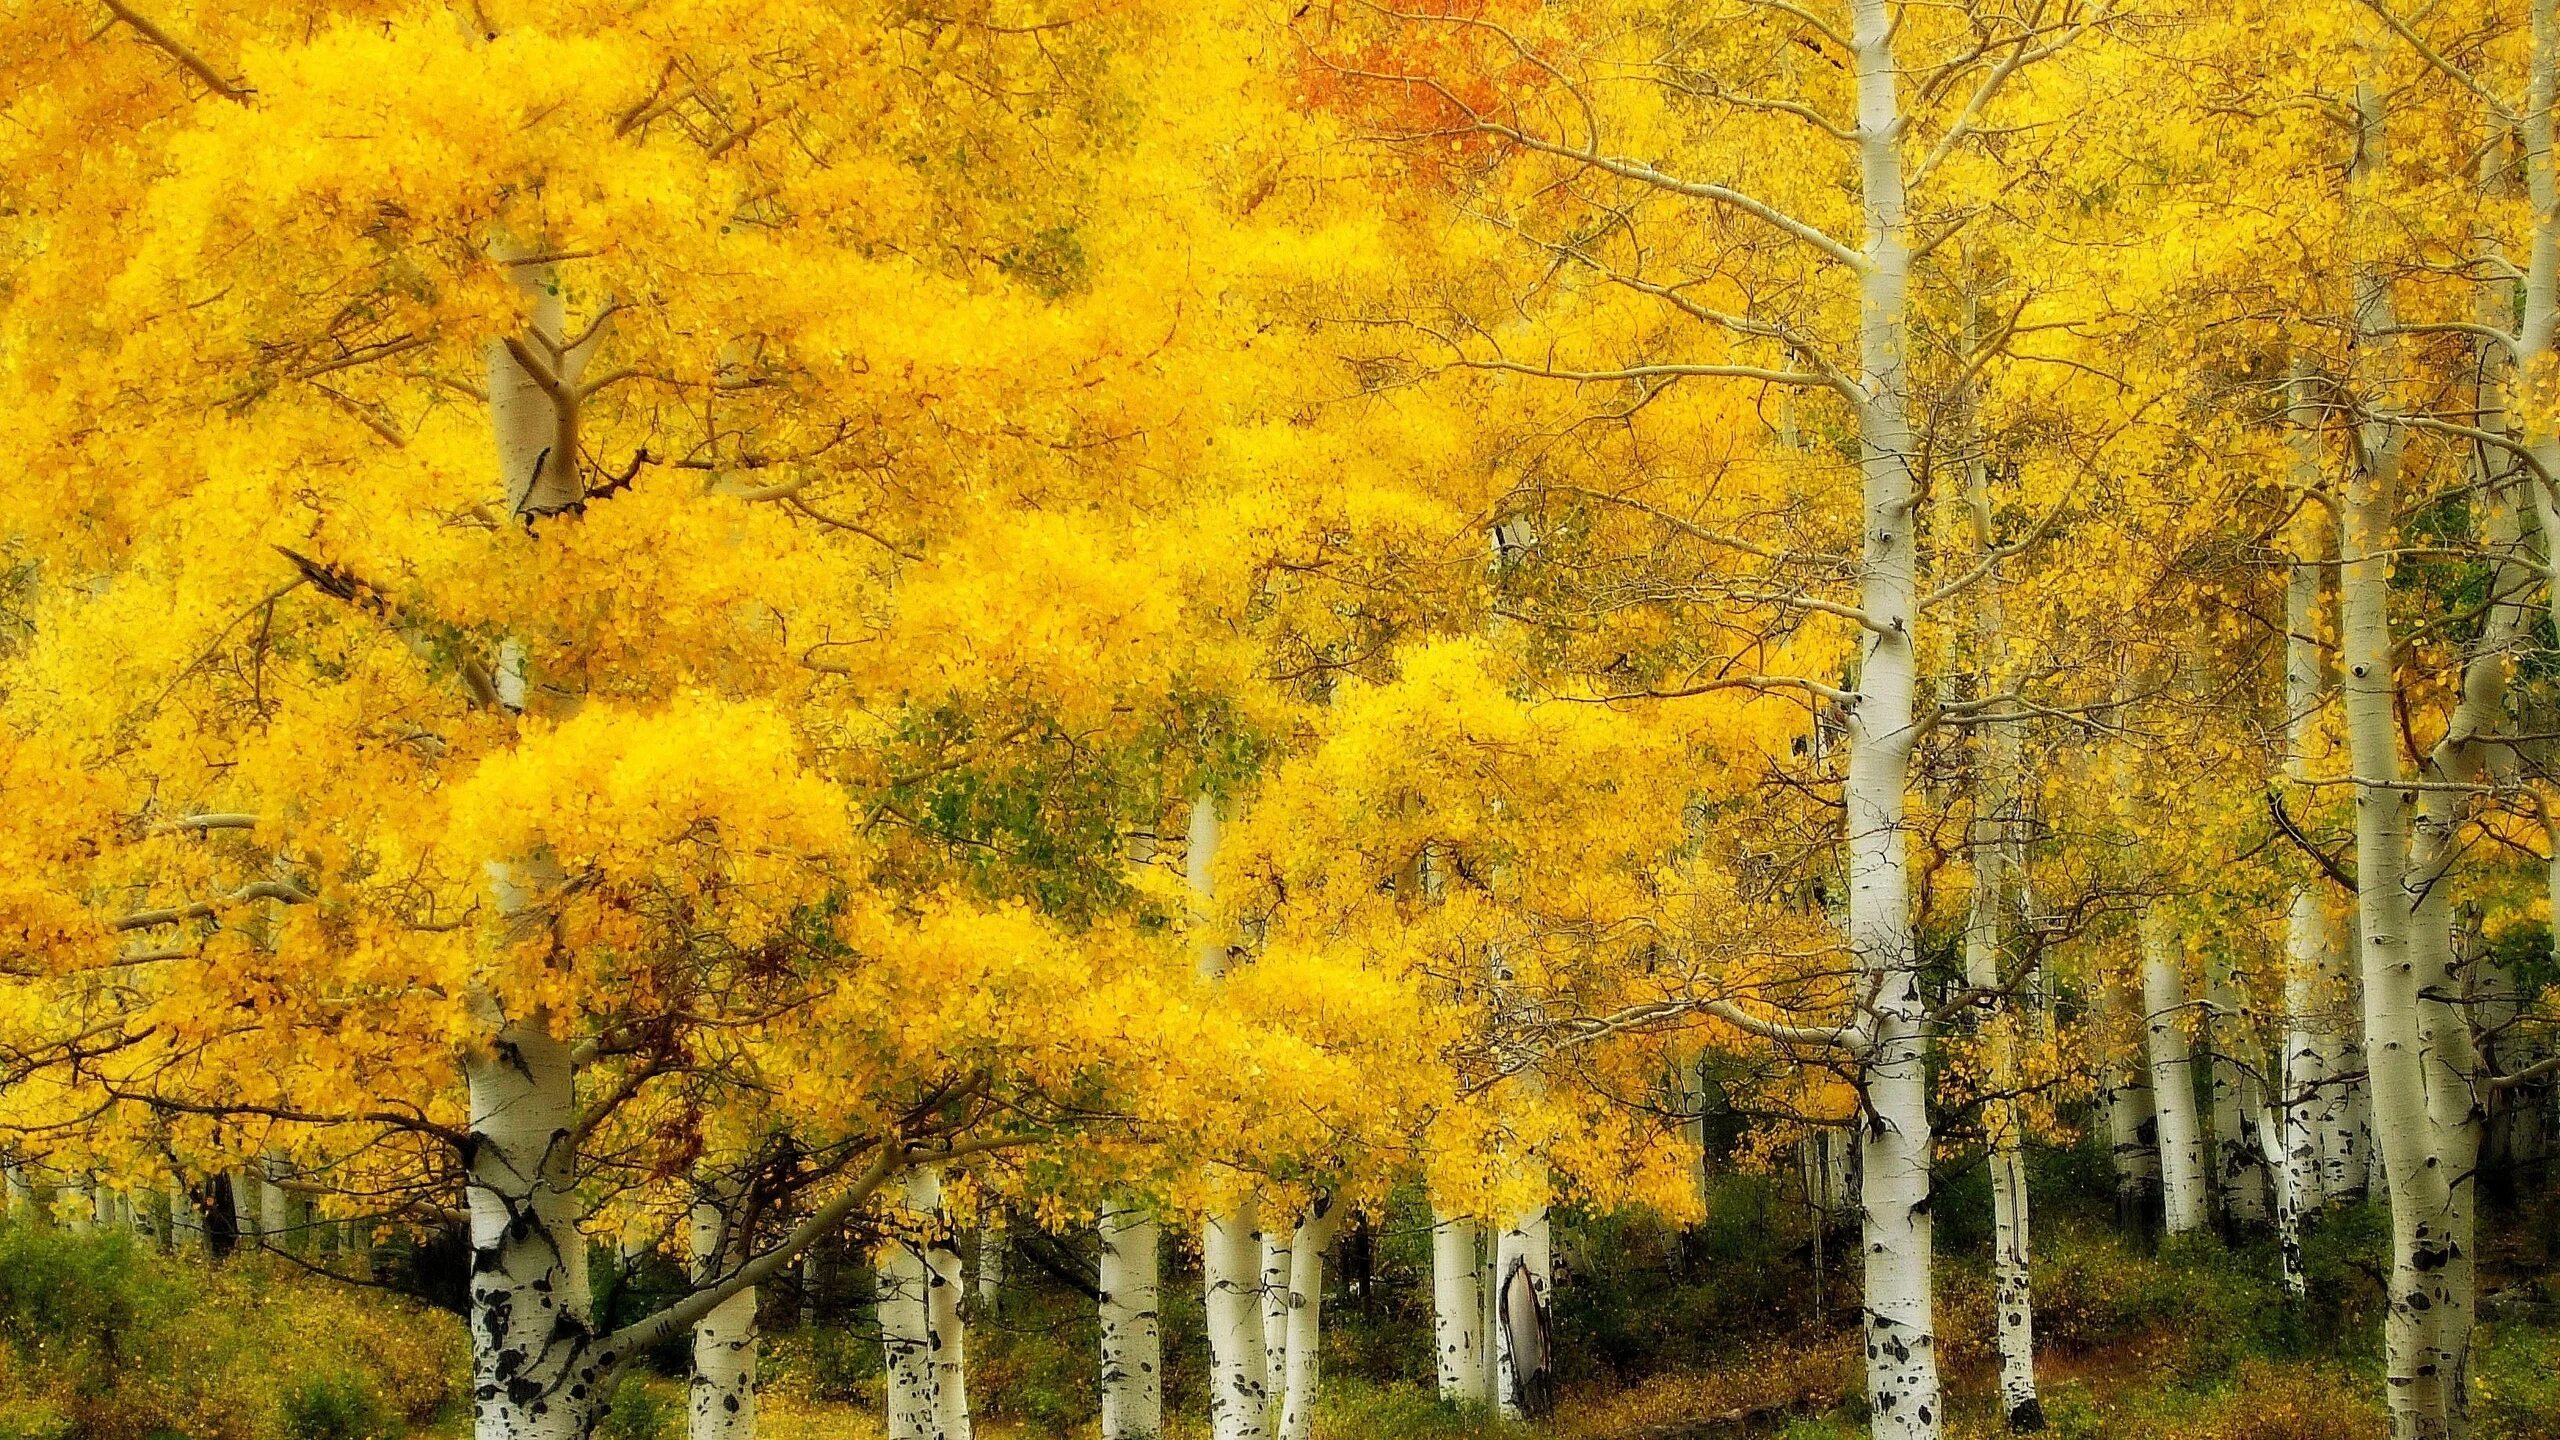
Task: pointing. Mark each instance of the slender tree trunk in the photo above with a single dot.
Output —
(186, 1228)
(533, 1377)
(2239, 1172)
(1896, 1144)
(1239, 1394)
(2183, 1191)
(2414, 1386)
(2013, 1293)
(947, 1336)
(1457, 1307)
(2288, 1214)
(1132, 1351)
(1305, 1317)
(906, 1342)
(2307, 1100)
(723, 1394)
(991, 1253)
(2311, 1094)
(1524, 1362)
(2359, 1163)
(1274, 1245)
(1230, 1252)
(1996, 838)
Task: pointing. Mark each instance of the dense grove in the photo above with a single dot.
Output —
(1185, 653)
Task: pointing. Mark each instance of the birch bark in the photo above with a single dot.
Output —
(906, 1339)
(1896, 1144)
(1996, 837)
(1457, 1307)
(2183, 1189)
(1230, 1253)
(722, 1400)
(1132, 1349)
(1524, 1361)
(1304, 1304)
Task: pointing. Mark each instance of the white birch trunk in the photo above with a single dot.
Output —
(1523, 1363)
(2288, 1211)
(2358, 1171)
(2307, 1100)
(1996, 839)
(1896, 1146)
(991, 1252)
(2133, 1121)
(2311, 1094)
(186, 1228)
(2413, 1387)
(1274, 1290)
(1457, 1308)
(1132, 1347)
(722, 1399)
(535, 1373)
(2013, 1291)
(533, 1376)
(2418, 1047)
(2239, 1171)
(2183, 1192)
(1304, 1308)
(1230, 1264)
(1230, 1257)
(914, 1410)
(946, 1335)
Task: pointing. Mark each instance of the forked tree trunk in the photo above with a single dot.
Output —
(2398, 962)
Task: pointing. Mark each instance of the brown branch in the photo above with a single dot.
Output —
(2327, 864)
(169, 45)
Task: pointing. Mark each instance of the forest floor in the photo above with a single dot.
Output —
(1717, 1330)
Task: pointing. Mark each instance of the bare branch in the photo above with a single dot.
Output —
(220, 84)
